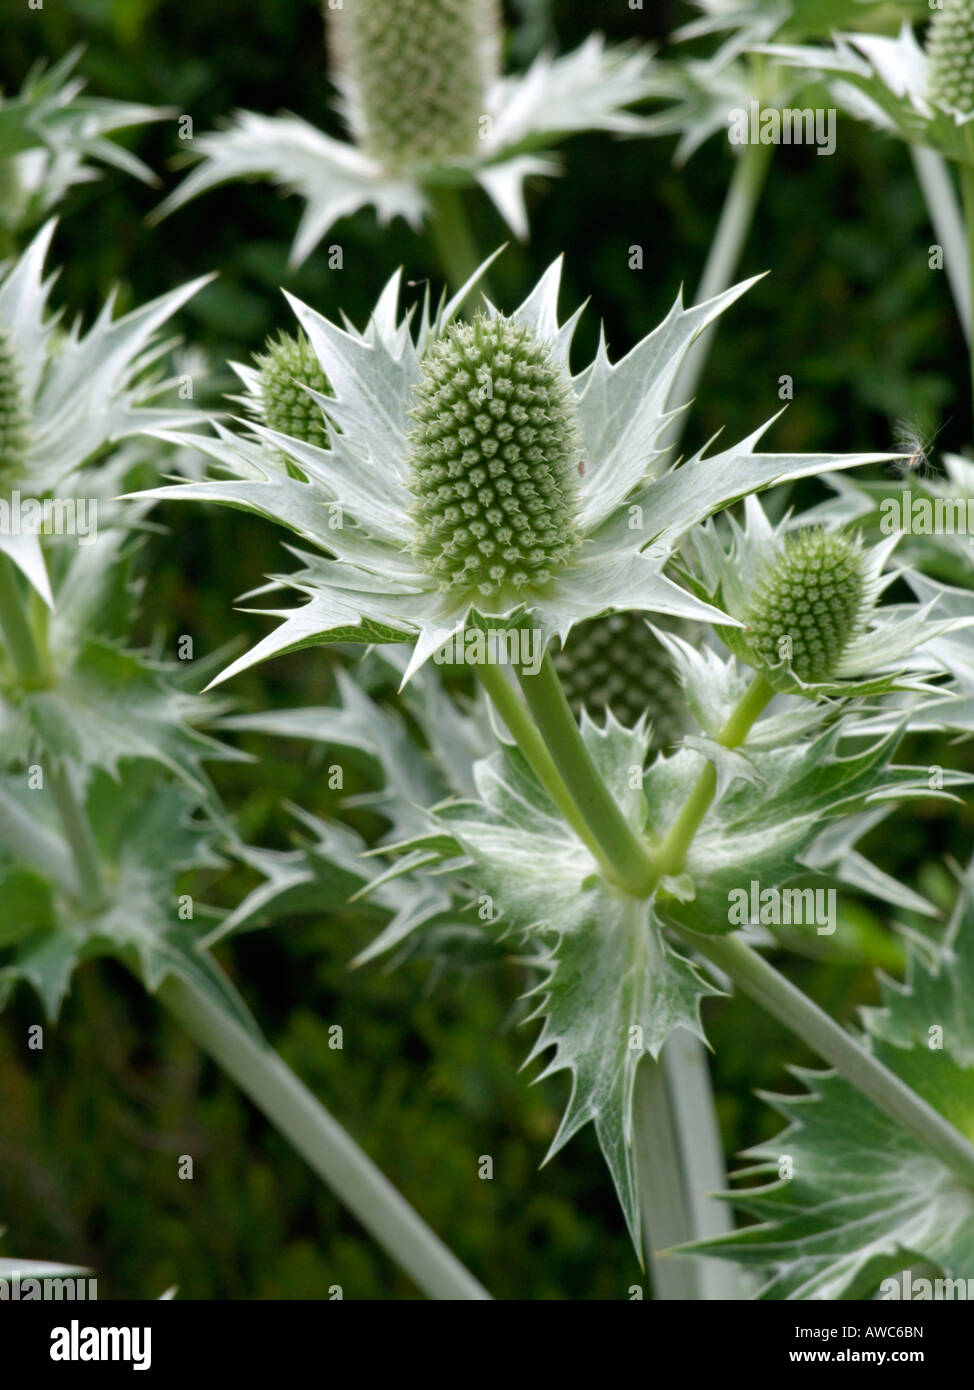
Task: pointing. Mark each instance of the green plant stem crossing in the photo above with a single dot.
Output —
(634, 868)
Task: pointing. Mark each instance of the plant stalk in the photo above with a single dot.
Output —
(737, 214)
(753, 975)
(967, 191)
(662, 1197)
(535, 750)
(629, 857)
(933, 176)
(454, 240)
(321, 1141)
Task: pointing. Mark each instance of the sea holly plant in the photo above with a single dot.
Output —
(51, 135)
(473, 487)
(430, 113)
(108, 819)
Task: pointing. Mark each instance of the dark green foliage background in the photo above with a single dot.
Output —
(93, 1126)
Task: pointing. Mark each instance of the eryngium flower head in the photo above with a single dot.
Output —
(493, 451)
(415, 74)
(809, 606)
(14, 419)
(617, 663)
(950, 54)
(285, 368)
(591, 531)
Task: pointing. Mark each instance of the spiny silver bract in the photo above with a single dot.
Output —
(13, 413)
(416, 74)
(493, 454)
(616, 663)
(950, 51)
(287, 366)
(809, 606)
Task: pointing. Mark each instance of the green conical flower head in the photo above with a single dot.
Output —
(809, 606)
(13, 413)
(286, 367)
(616, 663)
(415, 74)
(950, 51)
(494, 457)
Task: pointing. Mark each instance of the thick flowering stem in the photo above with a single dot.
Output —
(322, 1142)
(631, 863)
(737, 215)
(762, 983)
(535, 750)
(967, 188)
(673, 851)
(454, 239)
(936, 183)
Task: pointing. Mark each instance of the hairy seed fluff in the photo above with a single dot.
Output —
(13, 413)
(415, 74)
(493, 453)
(812, 597)
(616, 663)
(950, 51)
(286, 366)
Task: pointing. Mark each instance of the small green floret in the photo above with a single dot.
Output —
(809, 606)
(286, 367)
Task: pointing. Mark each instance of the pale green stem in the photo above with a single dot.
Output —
(753, 975)
(967, 190)
(686, 1067)
(743, 192)
(933, 176)
(535, 750)
(78, 833)
(454, 240)
(629, 857)
(324, 1145)
(662, 1195)
(673, 851)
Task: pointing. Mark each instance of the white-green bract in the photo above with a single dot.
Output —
(352, 500)
(49, 133)
(524, 116)
(888, 82)
(80, 391)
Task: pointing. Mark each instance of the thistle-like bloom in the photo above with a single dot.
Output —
(65, 395)
(470, 477)
(280, 383)
(49, 132)
(807, 602)
(426, 105)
